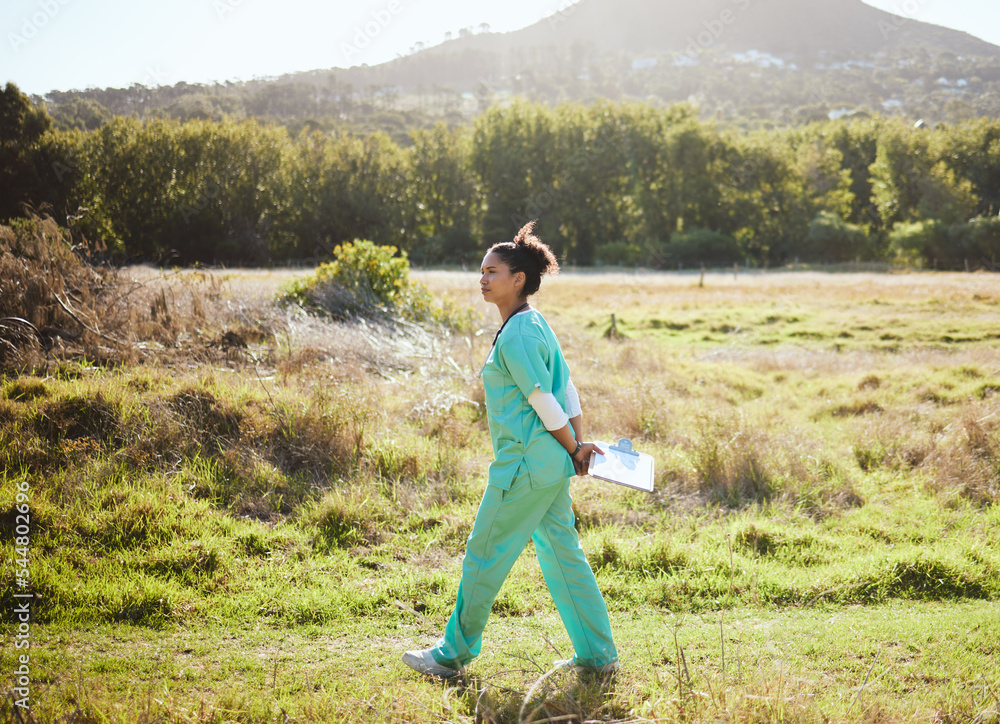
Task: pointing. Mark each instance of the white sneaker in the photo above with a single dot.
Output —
(608, 668)
(423, 662)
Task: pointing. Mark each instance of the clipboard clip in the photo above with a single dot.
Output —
(624, 447)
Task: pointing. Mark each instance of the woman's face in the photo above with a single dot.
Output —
(497, 284)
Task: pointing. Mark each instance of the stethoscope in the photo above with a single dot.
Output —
(481, 369)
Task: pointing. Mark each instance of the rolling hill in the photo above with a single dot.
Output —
(803, 27)
(752, 61)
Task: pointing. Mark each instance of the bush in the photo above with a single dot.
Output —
(940, 246)
(620, 253)
(368, 282)
(831, 239)
(918, 242)
(44, 276)
(363, 280)
(454, 246)
(701, 246)
(976, 240)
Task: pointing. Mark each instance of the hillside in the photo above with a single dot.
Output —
(780, 27)
(748, 62)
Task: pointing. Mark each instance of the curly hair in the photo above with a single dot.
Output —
(529, 254)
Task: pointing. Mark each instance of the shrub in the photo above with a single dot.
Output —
(620, 253)
(938, 245)
(976, 240)
(44, 274)
(454, 245)
(701, 246)
(369, 282)
(920, 578)
(912, 243)
(832, 239)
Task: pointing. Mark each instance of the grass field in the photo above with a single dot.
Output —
(257, 514)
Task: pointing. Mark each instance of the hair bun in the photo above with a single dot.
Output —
(538, 251)
(526, 232)
(529, 254)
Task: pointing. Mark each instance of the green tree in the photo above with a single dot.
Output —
(22, 126)
(912, 182)
(693, 160)
(857, 142)
(229, 189)
(831, 239)
(900, 163)
(345, 188)
(503, 159)
(444, 194)
(85, 114)
(764, 198)
(648, 220)
(972, 151)
(59, 163)
(821, 166)
(130, 185)
(200, 191)
(589, 178)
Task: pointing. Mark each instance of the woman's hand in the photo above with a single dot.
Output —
(581, 460)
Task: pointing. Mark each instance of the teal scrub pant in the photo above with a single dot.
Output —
(505, 521)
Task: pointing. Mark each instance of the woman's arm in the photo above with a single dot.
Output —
(575, 413)
(577, 424)
(567, 430)
(567, 438)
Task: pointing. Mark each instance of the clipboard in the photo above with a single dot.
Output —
(623, 465)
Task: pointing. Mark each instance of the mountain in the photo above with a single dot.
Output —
(595, 29)
(755, 62)
(779, 27)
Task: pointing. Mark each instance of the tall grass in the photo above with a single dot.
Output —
(319, 481)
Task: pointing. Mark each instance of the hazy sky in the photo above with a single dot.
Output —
(68, 44)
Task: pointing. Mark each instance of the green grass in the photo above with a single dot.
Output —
(897, 662)
(213, 545)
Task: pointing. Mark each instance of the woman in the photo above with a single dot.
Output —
(537, 448)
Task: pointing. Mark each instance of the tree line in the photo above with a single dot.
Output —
(611, 183)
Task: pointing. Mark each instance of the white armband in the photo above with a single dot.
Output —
(573, 408)
(548, 409)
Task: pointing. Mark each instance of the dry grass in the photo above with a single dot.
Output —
(318, 480)
(58, 305)
(718, 415)
(51, 297)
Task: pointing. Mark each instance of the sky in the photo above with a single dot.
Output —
(77, 44)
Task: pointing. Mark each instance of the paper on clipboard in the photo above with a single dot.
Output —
(622, 465)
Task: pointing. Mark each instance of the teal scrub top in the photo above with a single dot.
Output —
(526, 356)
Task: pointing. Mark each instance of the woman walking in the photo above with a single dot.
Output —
(537, 449)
